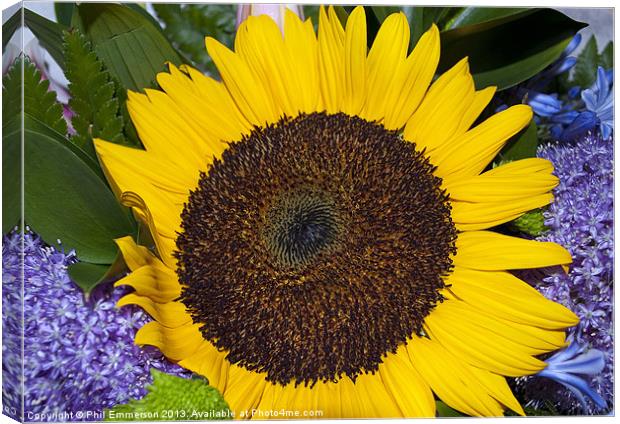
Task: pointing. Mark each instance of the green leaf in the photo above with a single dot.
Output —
(10, 26)
(421, 19)
(48, 33)
(584, 72)
(39, 102)
(93, 95)
(12, 93)
(64, 13)
(382, 12)
(173, 398)
(88, 275)
(130, 46)
(186, 25)
(531, 223)
(11, 174)
(444, 410)
(465, 16)
(506, 51)
(66, 199)
(607, 56)
(522, 145)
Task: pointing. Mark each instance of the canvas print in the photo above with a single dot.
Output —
(269, 211)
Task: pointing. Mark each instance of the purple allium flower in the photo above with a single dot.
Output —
(79, 355)
(581, 220)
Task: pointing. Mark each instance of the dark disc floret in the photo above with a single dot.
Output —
(314, 247)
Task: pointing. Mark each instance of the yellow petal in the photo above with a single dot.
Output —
(169, 314)
(439, 116)
(245, 87)
(518, 179)
(482, 215)
(214, 113)
(244, 390)
(331, 59)
(259, 42)
(412, 80)
(507, 297)
(355, 47)
(175, 343)
(451, 379)
(412, 394)
(386, 56)
(469, 153)
(489, 251)
(302, 47)
(153, 282)
(209, 362)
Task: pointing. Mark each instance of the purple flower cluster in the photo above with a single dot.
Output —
(581, 219)
(79, 354)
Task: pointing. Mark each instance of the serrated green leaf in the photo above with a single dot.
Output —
(48, 33)
(531, 223)
(584, 72)
(64, 198)
(93, 95)
(39, 101)
(504, 52)
(173, 398)
(133, 50)
(186, 25)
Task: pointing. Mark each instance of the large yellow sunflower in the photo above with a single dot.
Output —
(320, 219)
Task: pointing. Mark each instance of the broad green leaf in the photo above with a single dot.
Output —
(39, 101)
(421, 18)
(10, 26)
(64, 12)
(88, 275)
(186, 25)
(342, 14)
(382, 12)
(12, 93)
(444, 410)
(475, 15)
(48, 33)
(65, 199)
(133, 50)
(93, 97)
(522, 145)
(11, 174)
(172, 398)
(607, 56)
(504, 52)
(584, 72)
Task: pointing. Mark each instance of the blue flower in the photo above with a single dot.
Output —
(599, 99)
(565, 367)
(582, 220)
(78, 354)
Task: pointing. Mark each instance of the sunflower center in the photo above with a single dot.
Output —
(299, 225)
(314, 247)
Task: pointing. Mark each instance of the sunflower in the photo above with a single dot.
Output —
(320, 218)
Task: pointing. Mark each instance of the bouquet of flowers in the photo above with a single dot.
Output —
(268, 211)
